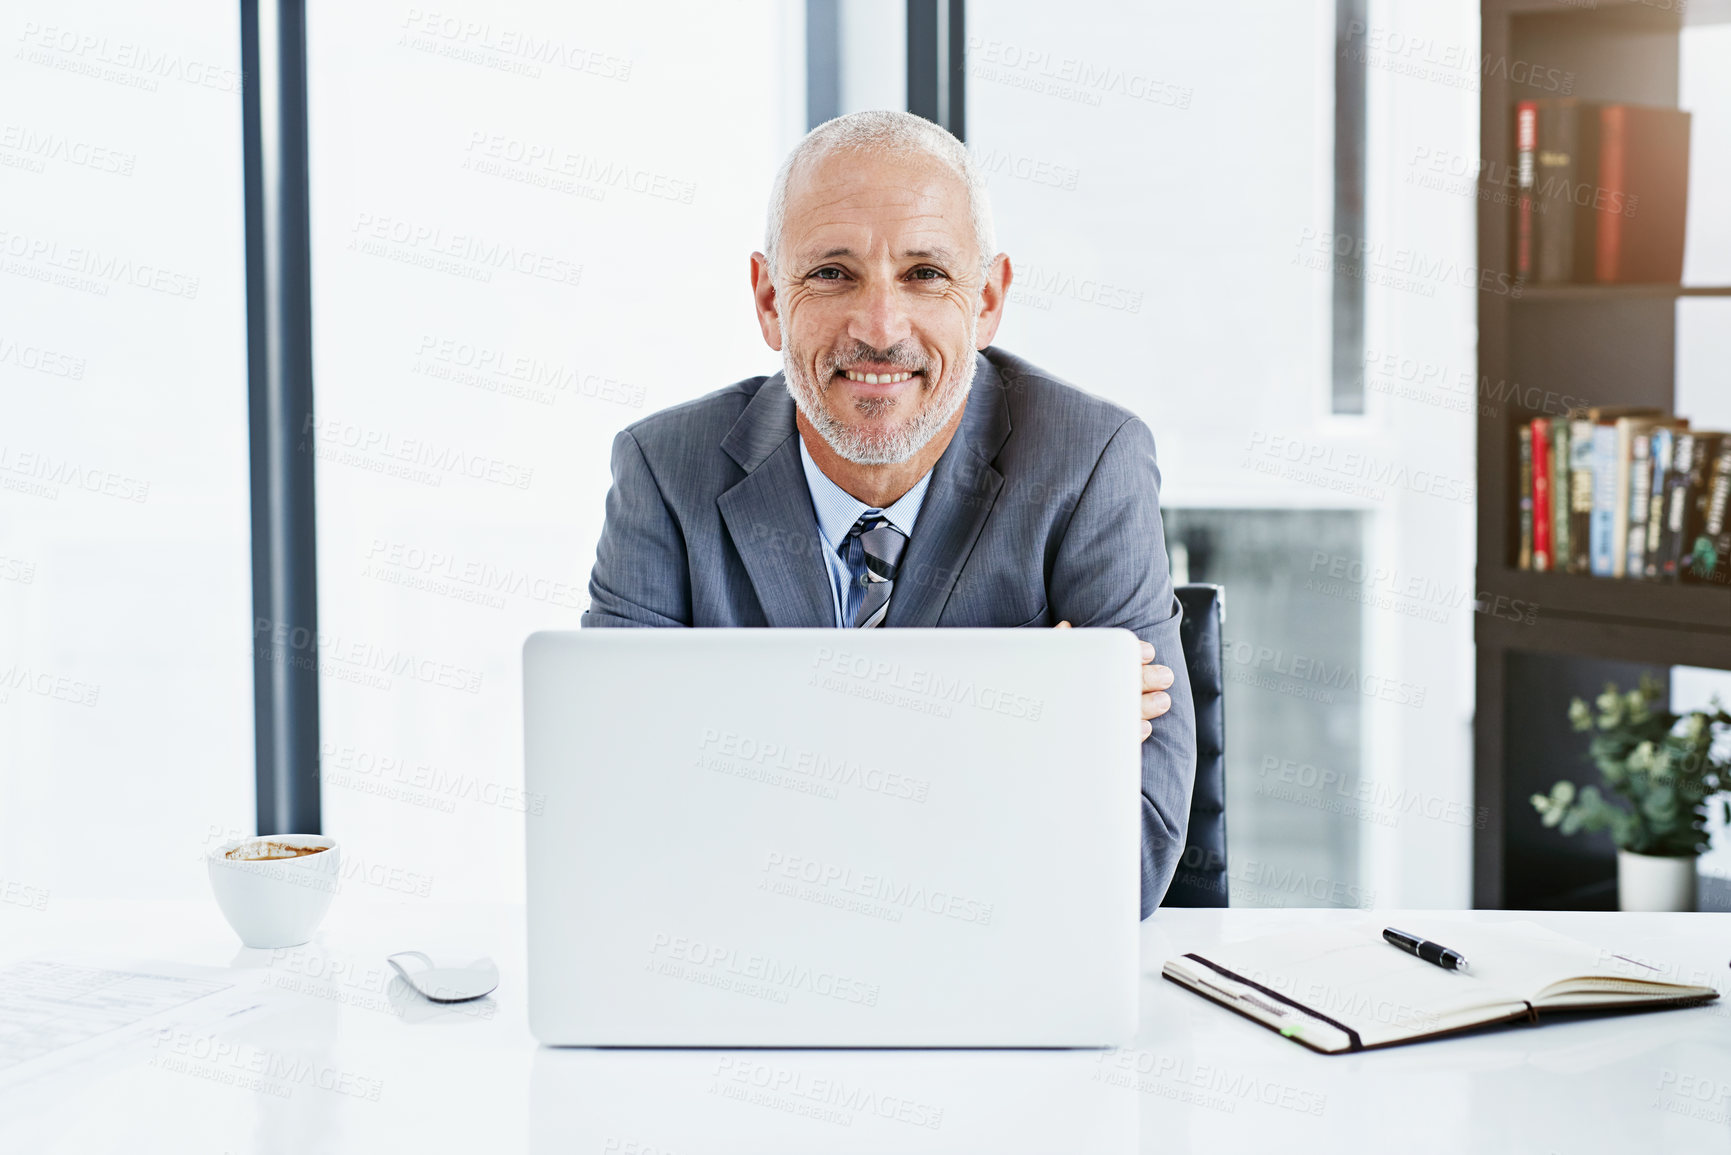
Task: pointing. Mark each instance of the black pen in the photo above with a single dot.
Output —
(1430, 952)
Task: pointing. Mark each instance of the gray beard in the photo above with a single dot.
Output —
(878, 447)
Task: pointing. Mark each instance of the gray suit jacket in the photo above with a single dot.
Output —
(1045, 507)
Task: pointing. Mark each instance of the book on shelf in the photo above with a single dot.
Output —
(1526, 180)
(1709, 555)
(1629, 509)
(1340, 989)
(1601, 192)
(1660, 452)
(1560, 495)
(1603, 525)
(1640, 493)
(1540, 435)
(1595, 487)
(1525, 433)
(1649, 462)
(1624, 491)
(1685, 507)
(1546, 157)
(1643, 174)
(1580, 491)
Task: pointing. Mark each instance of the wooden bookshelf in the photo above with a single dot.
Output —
(1607, 345)
(1661, 605)
(1616, 292)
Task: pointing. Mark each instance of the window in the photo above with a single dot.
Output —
(125, 589)
(1163, 180)
(530, 229)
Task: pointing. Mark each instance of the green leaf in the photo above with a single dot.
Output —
(1660, 764)
(1660, 806)
(1610, 705)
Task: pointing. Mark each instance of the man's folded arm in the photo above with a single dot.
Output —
(1111, 570)
(640, 575)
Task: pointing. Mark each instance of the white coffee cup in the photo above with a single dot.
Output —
(275, 902)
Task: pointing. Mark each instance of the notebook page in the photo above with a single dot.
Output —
(1521, 957)
(1353, 976)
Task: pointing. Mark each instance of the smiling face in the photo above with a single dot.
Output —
(876, 302)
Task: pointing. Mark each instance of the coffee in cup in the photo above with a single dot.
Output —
(270, 851)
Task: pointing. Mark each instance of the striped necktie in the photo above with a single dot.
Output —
(883, 544)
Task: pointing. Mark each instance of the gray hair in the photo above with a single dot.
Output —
(885, 133)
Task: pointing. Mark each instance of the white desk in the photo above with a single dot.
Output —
(331, 1058)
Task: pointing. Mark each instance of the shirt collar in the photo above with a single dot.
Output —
(837, 509)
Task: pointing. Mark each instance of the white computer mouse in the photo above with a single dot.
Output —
(447, 984)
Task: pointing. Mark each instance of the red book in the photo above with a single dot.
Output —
(1643, 193)
(1541, 493)
(1526, 141)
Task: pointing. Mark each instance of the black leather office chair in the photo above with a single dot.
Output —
(1201, 876)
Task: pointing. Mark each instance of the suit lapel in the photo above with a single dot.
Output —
(769, 513)
(963, 488)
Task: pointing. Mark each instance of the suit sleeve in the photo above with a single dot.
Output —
(641, 575)
(1111, 570)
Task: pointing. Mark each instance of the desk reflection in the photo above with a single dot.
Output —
(676, 1102)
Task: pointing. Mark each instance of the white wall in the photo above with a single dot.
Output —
(125, 595)
(1704, 324)
(1704, 89)
(1420, 111)
(874, 55)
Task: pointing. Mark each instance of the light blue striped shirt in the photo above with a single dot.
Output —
(837, 510)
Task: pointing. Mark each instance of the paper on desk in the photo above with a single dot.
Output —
(53, 1013)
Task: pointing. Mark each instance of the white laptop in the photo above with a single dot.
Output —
(833, 838)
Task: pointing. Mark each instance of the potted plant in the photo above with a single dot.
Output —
(1663, 766)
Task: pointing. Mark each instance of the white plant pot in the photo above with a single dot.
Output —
(1655, 881)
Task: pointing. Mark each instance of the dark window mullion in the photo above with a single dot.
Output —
(1347, 306)
(822, 61)
(937, 63)
(280, 403)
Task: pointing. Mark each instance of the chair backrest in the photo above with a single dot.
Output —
(1201, 876)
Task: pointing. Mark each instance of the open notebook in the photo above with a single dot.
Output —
(1345, 989)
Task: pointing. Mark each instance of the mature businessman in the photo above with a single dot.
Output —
(891, 475)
